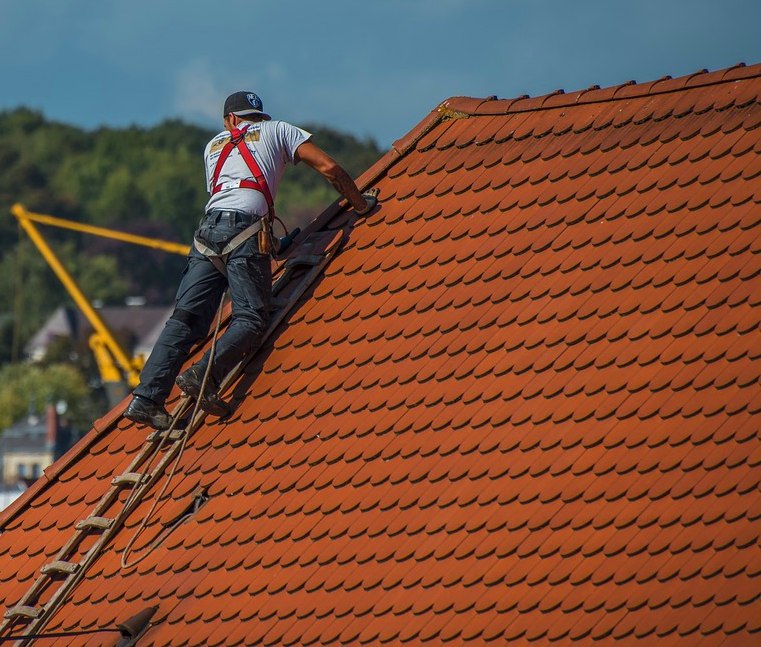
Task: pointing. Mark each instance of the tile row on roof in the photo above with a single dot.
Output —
(522, 404)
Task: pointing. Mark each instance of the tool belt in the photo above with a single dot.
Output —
(210, 242)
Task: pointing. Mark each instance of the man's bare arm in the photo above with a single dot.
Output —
(332, 171)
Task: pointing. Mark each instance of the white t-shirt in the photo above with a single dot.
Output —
(273, 144)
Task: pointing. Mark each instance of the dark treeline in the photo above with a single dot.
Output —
(148, 181)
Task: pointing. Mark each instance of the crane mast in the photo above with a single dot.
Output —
(115, 365)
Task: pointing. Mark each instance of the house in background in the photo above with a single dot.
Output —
(25, 450)
(9, 494)
(520, 405)
(136, 326)
(28, 447)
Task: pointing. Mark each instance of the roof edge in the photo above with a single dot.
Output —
(595, 94)
(50, 474)
(398, 150)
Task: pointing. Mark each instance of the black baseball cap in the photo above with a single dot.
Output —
(245, 103)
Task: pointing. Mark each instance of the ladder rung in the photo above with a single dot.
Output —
(21, 611)
(100, 523)
(157, 436)
(60, 567)
(128, 478)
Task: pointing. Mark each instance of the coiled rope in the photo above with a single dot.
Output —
(139, 489)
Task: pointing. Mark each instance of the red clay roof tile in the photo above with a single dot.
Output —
(521, 403)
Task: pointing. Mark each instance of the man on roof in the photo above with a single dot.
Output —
(244, 164)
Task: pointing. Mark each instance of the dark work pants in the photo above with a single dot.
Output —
(250, 282)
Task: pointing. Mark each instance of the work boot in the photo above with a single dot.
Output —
(147, 412)
(190, 382)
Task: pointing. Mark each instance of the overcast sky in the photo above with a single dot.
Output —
(370, 67)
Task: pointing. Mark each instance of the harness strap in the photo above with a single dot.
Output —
(226, 150)
(220, 259)
(259, 183)
(219, 263)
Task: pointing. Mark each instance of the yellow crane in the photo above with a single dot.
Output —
(114, 363)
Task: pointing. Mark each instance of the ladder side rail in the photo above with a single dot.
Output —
(68, 584)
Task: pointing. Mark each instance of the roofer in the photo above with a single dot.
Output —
(244, 164)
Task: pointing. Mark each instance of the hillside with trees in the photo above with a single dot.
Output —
(142, 180)
(147, 181)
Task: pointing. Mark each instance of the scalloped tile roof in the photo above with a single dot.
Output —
(521, 404)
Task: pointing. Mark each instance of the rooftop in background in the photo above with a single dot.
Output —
(138, 325)
(521, 404)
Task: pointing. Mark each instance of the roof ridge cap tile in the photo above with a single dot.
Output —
(736, 72)
(557, 99)
(466, 105)
(406, 143)
(548, 97)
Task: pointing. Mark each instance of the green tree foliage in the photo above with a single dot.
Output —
(30, 291)
(100, 278)
(24, 388)
(148, 181)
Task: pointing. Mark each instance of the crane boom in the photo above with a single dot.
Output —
(173, 248)
(130, 367)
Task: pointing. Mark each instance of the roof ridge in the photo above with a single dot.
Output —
(595, 94)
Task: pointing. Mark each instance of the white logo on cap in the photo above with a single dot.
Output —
(255, 101)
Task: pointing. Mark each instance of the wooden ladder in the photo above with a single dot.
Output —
(297, 275)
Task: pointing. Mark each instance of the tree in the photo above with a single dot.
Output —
(142, 180)
(101, 280)
(120, 198)
(25, 388)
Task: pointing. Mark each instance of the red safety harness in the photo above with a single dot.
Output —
(258, 183)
